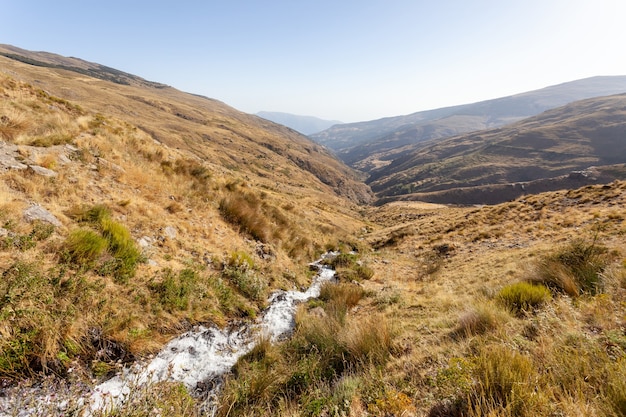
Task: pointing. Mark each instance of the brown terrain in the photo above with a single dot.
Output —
(131, 212)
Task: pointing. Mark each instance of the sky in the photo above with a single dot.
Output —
(347, 60)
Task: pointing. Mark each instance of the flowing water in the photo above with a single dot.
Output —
(200, 357)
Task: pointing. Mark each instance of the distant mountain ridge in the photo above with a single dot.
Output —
(371, 144)
(306, 125)
(560, 141)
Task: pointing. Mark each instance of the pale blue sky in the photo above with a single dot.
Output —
(347, 60)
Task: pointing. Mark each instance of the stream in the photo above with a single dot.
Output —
(197, 358)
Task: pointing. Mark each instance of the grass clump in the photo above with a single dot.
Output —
(349, 267)
(126, 255)
(108, 246)
(524, 296)
(575, 269)
(244, 210)
(479, 320)
(85, 247)
(175, 290)
(41, 319)
(503, 382)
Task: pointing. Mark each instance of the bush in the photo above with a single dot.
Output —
(524, 296)
(479, 320)
(577, 268)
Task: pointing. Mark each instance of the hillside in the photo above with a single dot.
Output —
(210, 129)
(139, 211)
(570, 138)
(132, 213)
(304, 124)
(369, 145)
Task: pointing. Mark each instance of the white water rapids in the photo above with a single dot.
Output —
(199, 356)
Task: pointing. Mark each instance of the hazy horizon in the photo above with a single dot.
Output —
(349, 61)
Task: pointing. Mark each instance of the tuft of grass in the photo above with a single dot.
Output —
(479, 320)
(174, 290)
(13, 124)
(616, 387)
(574, 269)
(503, 381)
(123, 249)
(84, 247)
(524, 296)
(244, 210)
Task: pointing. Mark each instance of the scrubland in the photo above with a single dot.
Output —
(516, 309)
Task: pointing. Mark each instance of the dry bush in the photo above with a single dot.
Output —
(480, 320)
(12, 124)
(574, 269)
(244, 210)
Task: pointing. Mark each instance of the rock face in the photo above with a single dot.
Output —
(36, 212)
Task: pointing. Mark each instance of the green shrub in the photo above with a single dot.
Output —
(247, 282)
(41, 231)
(343, 260)
(174, 290)
(84, 247)
(524, 296)
(123, 248)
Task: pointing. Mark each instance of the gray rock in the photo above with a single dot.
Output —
(36, 212)
(45, 172)
(110, 165)
(145, 242)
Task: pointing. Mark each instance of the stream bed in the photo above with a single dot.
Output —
(198, 358)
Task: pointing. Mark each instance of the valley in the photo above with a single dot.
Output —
(479, 270)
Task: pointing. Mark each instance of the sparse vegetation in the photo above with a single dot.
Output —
(219, 225)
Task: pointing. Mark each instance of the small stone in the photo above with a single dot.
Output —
(170, 232)
(44, 172)
(36, 212)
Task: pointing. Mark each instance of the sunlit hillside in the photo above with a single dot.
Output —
(131, 212)
(160, 210)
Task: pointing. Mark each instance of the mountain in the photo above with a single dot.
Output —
(131, 211)
(304, 124)
(207, 127)
(372, 144)
(533, 151)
